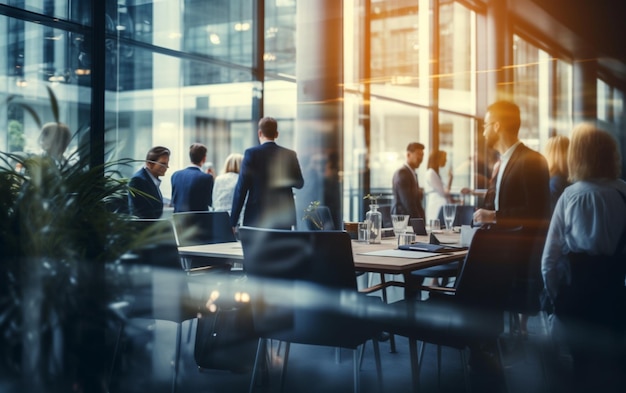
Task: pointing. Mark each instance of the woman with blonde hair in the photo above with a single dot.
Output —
(556, 155)
(584, 262)
(224, 186)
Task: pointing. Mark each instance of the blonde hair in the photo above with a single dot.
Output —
(556, 155)
(232, 163)
(593, 154)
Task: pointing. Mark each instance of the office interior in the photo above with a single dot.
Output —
(351, 82)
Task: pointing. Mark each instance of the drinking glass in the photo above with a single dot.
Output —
(449, 211)
(434, 225)
(400, 222)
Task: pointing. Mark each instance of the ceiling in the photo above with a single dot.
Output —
(583, 28)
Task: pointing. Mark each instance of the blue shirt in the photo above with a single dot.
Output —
(589, 217)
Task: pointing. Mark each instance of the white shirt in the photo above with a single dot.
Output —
(504, 160)
(435, 194)
(223, 191)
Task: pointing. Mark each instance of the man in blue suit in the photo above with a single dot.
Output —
(267, 177)
(192, 189)
(144, 197)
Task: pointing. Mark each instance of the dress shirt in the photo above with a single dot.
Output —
(155, 180)
(504, 160)
(224, 190)
(589, 218)
(435, 194)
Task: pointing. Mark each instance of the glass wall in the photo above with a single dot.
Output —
(181, 71)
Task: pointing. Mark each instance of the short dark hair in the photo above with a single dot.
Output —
(268, 127)
(507, 114)
(156, 152)
(414, 146)
(197, 152)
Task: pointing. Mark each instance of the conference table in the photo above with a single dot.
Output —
(383, 258)
(388, 266)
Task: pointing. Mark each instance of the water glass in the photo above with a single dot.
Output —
(406, 238)
(434, 224)
(449, 211)
(400, 223)
(363, 232)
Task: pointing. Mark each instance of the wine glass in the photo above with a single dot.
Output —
(449, 211)
(400, 222)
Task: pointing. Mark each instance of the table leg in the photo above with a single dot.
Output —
(392, 339)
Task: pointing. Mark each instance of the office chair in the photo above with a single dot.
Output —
(150, 288)
(304, 262)
(471, 312)
(443, 273)
(193, 228)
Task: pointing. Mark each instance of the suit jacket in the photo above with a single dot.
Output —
(268, 174)
(192, 190)
(524, 189)
(525, 200)
(147, 203)
(407, 196)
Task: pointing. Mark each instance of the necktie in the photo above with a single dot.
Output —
(490, 196)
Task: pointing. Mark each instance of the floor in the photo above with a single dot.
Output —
(146, 365)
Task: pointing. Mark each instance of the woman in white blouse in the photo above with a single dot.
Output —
(437, 194)
(224, 186)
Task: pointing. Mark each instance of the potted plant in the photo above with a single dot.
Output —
(312, 216)
(58, 228)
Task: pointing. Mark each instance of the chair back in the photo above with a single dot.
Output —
(154, 244)
(150, 273)
(193, 228)
(319, 257)
(385, 211)
(301, 312)
(464, 215)
(489, 268)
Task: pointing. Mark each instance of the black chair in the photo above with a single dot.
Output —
(316, 270)
(149, 287)
(194, 228)
(463, 216)
(472, 312)
(385, 211)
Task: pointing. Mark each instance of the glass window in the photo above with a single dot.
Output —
(45, 62)
(455, 46)
(527, 84)
(394, 43)
(562, 98)
(280, 38)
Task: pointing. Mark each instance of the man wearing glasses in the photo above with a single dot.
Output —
(144, 197)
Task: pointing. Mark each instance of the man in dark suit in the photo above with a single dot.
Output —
(519, 192)
(407, 195)
(192, 189)
(267, 177)
(144, 197)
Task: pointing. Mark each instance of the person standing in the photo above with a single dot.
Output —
(407, 195)
(192, 189)
(584, 262)
(225, 183)
(54, 140)
(144, 196)
(556, 155)
(437, 193)
(518, 192)
(268, 175)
